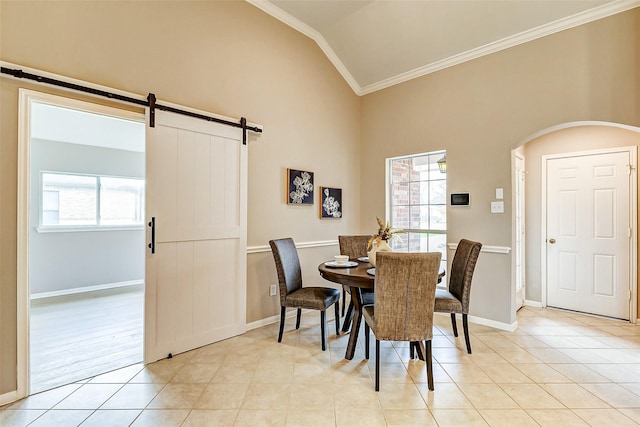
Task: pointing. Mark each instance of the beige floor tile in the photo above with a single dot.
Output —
(192, 373)
(161, 417)
(274, 372)
(417, 370)
(458, 417)
(618, 372)
(19, 417)
(312, 396)
(573, 396)
(466, 373)
(234, 374)
(261, 417)
(119, 376)
(267, 397)
(507, 418)
(356, 396)
(89, 396)
(633, 413)
(452, 356)
(614, 394)
(222, 396)
(487, 396)
(409, 418)
(400, 396)
(349, 417)
(299, 417)
(505, 374)
(556, 418)
(111, 418)
(445, 396)
(64, 417)
(158, 372)
(531, 396)
(45, 399)
(312, 373)
(392, 372)
(133, 396)
(487, 357)
(519, 356)
(550, 355)
(605, 417)
(579, 373)
(210, 418)
(541, 373)
(177, 396)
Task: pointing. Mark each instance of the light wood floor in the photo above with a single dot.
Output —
(80, 336)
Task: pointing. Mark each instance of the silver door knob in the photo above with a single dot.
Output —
(552, 241)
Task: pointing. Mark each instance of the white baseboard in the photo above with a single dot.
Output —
(487, 322)
(9, 397)
(83, 289)
(529, 303)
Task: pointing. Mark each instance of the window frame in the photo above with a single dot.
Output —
(65, 228)
(389, 199)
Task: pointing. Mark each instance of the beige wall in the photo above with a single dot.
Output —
(226, 57)
(480, 110)
(232, 59)
(569, 140)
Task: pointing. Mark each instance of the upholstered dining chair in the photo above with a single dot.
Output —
(456, 298)
(405, 287)
(292, 294)
(354, 246)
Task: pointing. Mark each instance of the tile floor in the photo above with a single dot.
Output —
(557, 369)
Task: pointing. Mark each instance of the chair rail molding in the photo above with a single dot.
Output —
(303, 245)
(485, 248)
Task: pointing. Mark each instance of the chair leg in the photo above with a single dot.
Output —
(283, 312)
(453, 323)
(338, 318)
(465, 326)
(323, 328)
(366, 341)
(298, 314)
(412, 347)
(377, 364)
(429, 364)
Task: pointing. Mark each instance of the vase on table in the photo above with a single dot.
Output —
(382, 246)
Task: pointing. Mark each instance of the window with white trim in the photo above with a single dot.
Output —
(417, 202)
(79, 200)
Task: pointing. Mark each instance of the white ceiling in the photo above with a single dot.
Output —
(375, 44)
(80, 127)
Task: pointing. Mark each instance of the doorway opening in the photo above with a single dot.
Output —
(84, 165)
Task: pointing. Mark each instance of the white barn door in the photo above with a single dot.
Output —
(589, 233)
(196, 194)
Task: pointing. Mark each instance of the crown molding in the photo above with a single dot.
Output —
(269, 8)
(609, 9)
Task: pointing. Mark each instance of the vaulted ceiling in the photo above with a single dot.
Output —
(375, 44)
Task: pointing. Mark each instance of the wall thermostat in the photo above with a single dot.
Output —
(460, 199)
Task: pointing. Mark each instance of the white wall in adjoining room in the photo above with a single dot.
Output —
(60, 261)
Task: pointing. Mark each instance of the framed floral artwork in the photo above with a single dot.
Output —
(299, 187)
(331, 203)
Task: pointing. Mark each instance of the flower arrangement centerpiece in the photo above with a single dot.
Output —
(385, 232)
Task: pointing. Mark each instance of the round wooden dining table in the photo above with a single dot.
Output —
(360, 276)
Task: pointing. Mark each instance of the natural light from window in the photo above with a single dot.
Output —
(75, 200)
(417, 202)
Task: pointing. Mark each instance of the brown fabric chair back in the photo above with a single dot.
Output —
(462, 267)
(287, 262)
(354, 246)
(405, 289)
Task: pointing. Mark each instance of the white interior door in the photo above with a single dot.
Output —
(196, 192)
(589, 233)
(520, 229)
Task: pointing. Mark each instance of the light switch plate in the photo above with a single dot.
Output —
(499, 193)
(497, 207)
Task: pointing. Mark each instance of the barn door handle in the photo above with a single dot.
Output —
(552, 241)
(152, 224)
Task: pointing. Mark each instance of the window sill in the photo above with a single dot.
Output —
(88, 228)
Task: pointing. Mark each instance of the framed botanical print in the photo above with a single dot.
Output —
(331, 203)
(299, 187)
